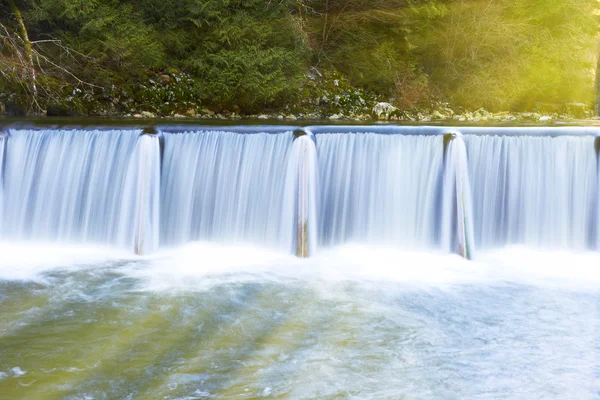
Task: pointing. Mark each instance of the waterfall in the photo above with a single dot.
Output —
(391, 186)
(142, 186)
(224, 186)
(3, 140)
(299, 217)
(379, 188)
(457, 219)
(67, 185)
(534, 190)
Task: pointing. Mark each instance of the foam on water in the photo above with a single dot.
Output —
(31, 260)
(202, 265)
(229, 321)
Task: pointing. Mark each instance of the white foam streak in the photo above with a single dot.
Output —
(201, 266)
(142, 186)
(30, 260)
(300, 198)
(457, 218)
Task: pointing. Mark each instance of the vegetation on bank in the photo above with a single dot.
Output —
(396, 59)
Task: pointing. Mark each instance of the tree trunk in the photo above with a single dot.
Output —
(26, 45)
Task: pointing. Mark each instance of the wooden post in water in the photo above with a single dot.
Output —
(461, 211)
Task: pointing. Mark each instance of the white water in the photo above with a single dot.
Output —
(300, 198)
(371, 188)
(457, 219)
(380, 189)
(3, 140)
(142, 184)
(215, 321)
(225, 187)
(374, 317)
(68, 186)
(536, 191)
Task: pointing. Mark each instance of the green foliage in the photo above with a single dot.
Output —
(372, 43)
(113, 55)
(513, 55)
(328, 93)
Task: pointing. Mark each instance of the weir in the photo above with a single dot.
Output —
(299, 190)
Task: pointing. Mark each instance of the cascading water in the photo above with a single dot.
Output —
(380, 188)
(392, 186)
(69, 186)
(537, 191)
(224, 186)
(457, 219)
(210, 320)
(300, 200)
(3, 140)
(142, 185)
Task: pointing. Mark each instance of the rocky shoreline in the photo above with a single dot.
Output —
(387, 112)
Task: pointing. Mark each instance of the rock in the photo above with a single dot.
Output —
(383, 110)
(292, 117)
(191, 112)
(545, 118)
(437, 115)
(138, 116)
(147, 114)
(447, 112)
(179, 116)
(280, 117)
(336, 117)
(262, 116)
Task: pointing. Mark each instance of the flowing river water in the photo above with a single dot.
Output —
(217, 305)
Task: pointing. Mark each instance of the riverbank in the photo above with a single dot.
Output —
(479, 117)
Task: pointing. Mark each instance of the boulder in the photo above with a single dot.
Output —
(147, 114)
(383, 110)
